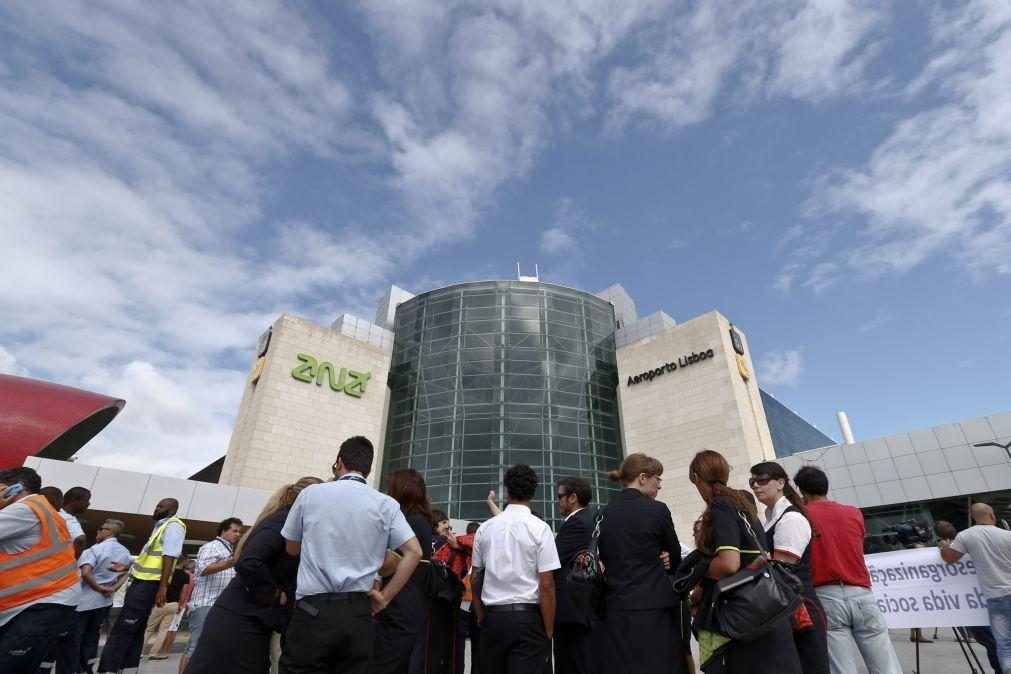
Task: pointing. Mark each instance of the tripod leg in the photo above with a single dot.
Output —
(963, 644)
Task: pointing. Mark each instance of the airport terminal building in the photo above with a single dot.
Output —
(462, 382)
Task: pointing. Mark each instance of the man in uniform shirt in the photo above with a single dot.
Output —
(149, 581)
(513, 583)
(98, 583)
(573, 631)
(76, 502)
(41, 585)
(990, 549)
(215, 569)
(342, 530)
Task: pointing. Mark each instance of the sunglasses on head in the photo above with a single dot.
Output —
(760, 480)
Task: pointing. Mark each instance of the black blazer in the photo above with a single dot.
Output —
(263, 570)
(633, 533)
(573, 537)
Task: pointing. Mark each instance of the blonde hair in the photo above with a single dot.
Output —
(280, 499)
(633, 466)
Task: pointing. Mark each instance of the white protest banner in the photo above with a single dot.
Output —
(916, 588)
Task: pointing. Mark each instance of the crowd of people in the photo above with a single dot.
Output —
(334, 576)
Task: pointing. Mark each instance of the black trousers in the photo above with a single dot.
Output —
(328, 634)
(648, 640)
(515, 643)
(812, 644)
(26, 637)
(397, 629)
(573, 646)
(65, 650)
(231, 642)
(474, 632)
(89, 626)
(126, 641)
(462, 629)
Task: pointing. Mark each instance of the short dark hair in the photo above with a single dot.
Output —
(76, 494)
(438, 516)
(29, 479)
(521, 482)
(811, 480)
(578, 486)
(54, 495)
(357, 454)
(226, 524)
(472, 527)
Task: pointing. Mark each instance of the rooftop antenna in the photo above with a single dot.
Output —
(533, 279)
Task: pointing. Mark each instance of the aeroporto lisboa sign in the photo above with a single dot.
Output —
(349, 381)
(682, 362)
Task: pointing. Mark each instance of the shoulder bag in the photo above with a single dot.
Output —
(585, 580)
(752, 601)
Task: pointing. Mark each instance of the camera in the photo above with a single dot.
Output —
(907, 533)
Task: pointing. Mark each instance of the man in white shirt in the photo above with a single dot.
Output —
(76, 502)
(990, 549)
(41, 586)
(513, 583)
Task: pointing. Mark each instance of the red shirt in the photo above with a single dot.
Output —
(838, 554)
(461, 561)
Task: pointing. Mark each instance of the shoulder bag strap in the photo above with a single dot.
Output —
(754, 537)
(595, 538)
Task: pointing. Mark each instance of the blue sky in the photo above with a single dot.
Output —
(833, 175)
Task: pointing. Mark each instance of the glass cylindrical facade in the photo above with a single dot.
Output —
(485, 375)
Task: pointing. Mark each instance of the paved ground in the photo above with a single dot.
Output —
(941, 657)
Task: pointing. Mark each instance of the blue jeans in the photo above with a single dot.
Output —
(196, 620)
(853, 615)
(999, 609)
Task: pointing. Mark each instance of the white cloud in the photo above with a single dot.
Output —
(131, 189)
(808, 50)
(781, 368)
(940, 183)
(9, 364)
(556, 241)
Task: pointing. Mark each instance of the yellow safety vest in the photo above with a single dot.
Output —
(147, 566)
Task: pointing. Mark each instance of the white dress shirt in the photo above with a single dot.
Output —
(513, 548)
(793, 533)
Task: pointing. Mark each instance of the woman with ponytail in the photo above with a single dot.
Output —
(257, 602)
(641, 630)
(789, 531)
(725, 537)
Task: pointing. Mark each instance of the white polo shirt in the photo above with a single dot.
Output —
(793, 533)
(513, 548)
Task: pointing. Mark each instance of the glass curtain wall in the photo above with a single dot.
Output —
(486, 375)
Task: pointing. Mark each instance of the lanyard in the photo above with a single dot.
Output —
(356, 478)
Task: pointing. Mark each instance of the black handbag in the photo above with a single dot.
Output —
(754, 600)
(585, 581)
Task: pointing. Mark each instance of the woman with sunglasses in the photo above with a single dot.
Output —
(789, 531)
(728, 535)
(641, 629)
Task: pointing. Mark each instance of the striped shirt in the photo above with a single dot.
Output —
(207, 588)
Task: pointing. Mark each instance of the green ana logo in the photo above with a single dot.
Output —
(312, 369)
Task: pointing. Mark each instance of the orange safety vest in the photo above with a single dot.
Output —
(44, 569)
(468, 595)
